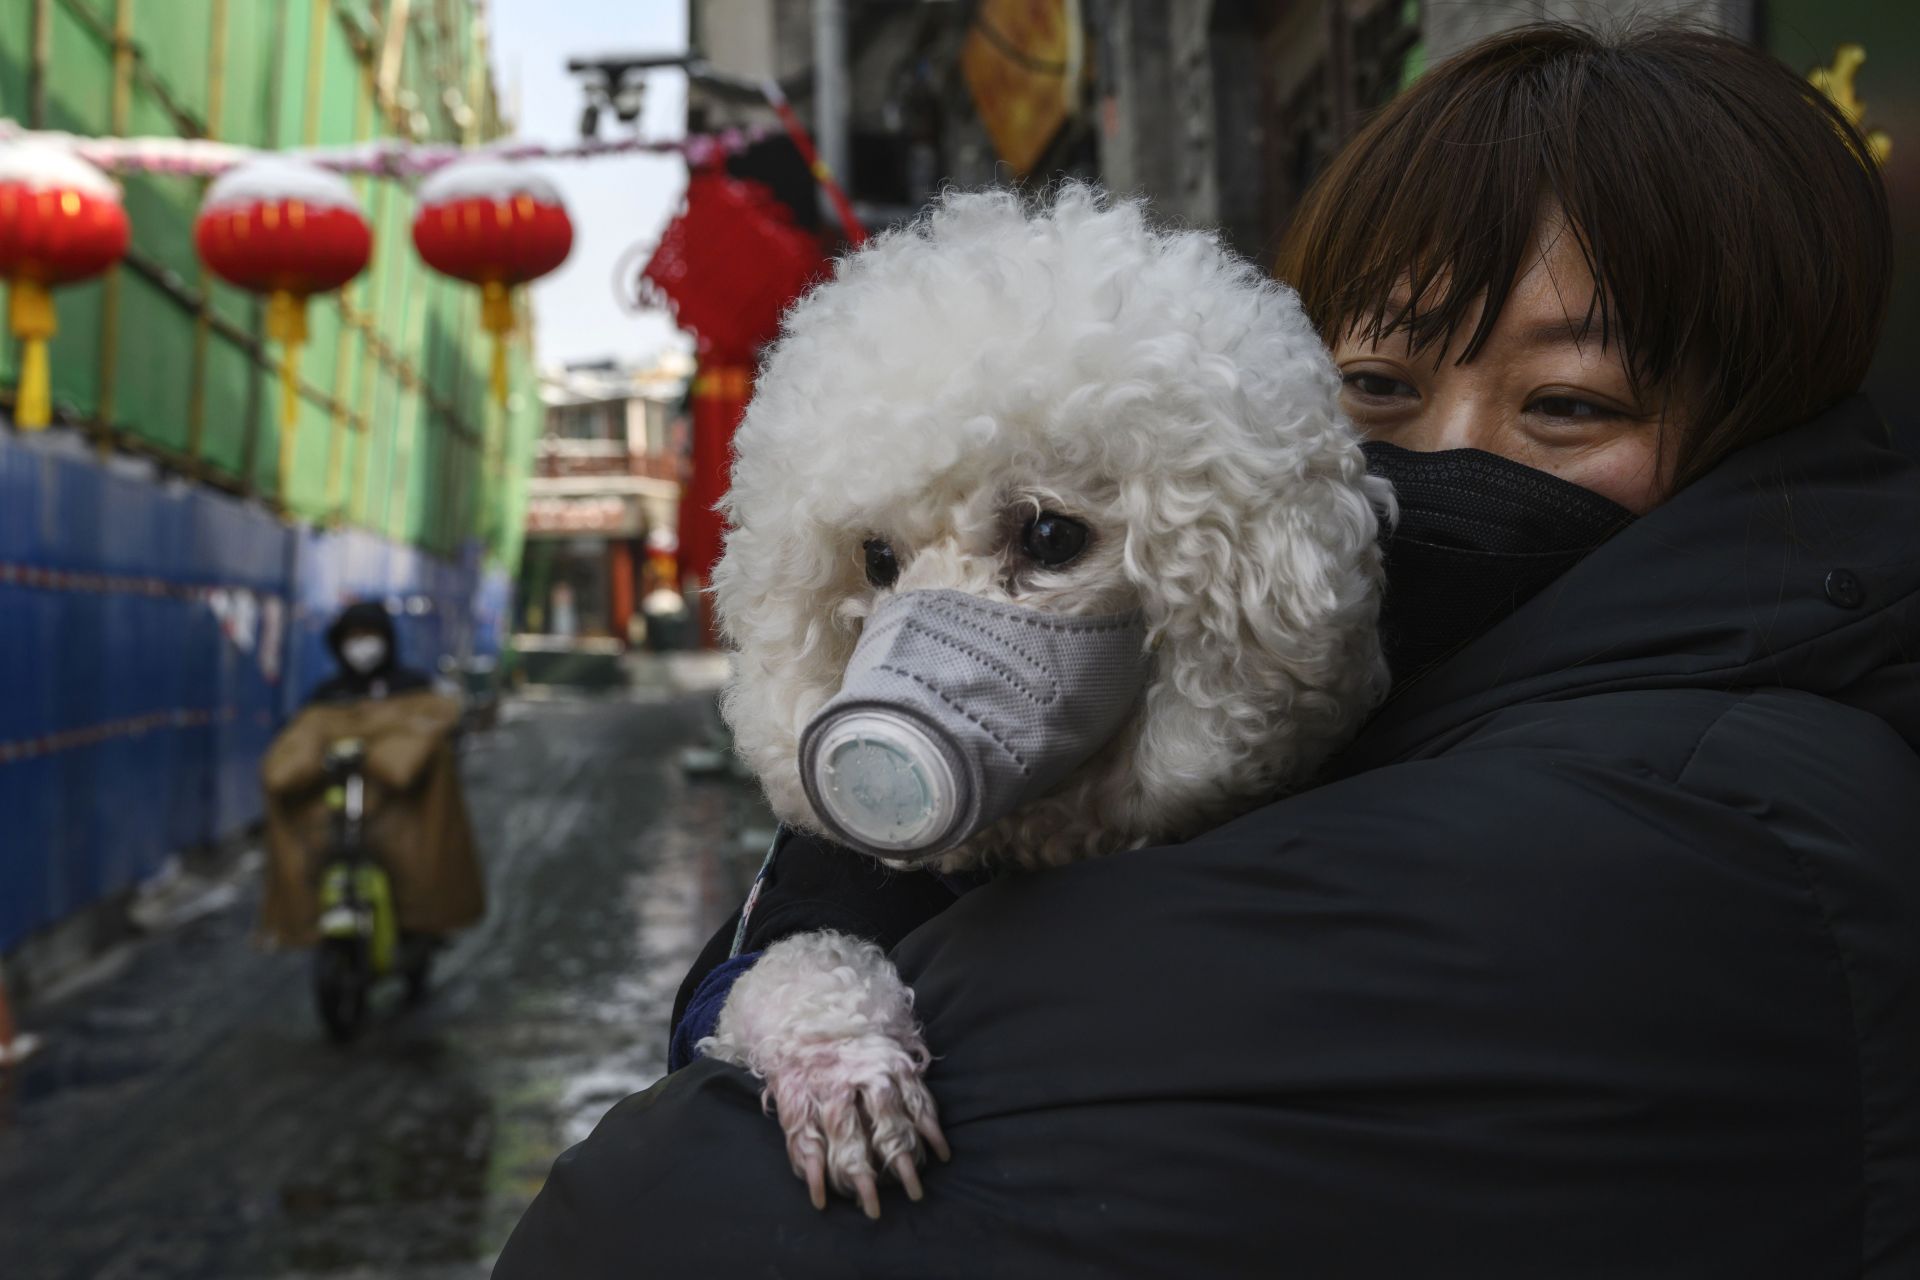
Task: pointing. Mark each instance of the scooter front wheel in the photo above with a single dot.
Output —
(340, 982)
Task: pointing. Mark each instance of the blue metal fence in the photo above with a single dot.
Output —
(154, 635)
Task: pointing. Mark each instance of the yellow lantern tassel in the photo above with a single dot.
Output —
(496, 317)
(290, 386)
(287, 325)
(30, 316)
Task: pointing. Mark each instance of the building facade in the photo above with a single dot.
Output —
(908, 121)
(1224, 111)
(603, 502)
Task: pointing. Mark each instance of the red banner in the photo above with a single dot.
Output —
(720, 394)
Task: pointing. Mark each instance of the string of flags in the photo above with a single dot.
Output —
(391, 158)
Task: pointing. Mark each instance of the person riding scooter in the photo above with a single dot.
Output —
(372, 861)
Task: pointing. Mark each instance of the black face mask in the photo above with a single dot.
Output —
(1479, 535)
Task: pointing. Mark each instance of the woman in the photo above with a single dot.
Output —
(1598, 954)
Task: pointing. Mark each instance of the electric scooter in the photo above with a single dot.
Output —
(360, 937)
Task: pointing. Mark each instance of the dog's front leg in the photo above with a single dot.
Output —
(826, 1022)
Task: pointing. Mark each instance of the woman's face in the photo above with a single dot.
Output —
(1536, 392)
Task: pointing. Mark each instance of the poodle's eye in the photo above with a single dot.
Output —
(882, 565)
(1053, 539)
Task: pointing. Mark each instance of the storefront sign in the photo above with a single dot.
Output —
(607, 514)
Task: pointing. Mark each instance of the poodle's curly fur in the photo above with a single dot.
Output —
(995, 359)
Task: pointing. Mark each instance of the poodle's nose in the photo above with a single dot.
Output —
(954, 711)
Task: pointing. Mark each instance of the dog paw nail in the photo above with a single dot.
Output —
(909, 1177)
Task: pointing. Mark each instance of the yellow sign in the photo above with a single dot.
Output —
(1836, 82)
(1023, 60)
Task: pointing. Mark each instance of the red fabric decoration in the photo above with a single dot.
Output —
(730, 264)
(720, 395)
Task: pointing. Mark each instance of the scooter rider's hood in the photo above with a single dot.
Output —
(364, 615)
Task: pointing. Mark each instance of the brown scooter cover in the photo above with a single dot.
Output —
(416, 815)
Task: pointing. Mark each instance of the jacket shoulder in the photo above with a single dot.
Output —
(1839, 790)
(1830, 751)
(1690, 736)
(1790, 793)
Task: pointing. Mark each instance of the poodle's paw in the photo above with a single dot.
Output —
(824, 1020)
(855, 1111)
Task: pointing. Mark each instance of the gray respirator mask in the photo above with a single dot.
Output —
(955, 711)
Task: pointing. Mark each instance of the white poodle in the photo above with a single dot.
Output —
(1055, 412)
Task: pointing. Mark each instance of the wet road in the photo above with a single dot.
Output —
(188, 1119)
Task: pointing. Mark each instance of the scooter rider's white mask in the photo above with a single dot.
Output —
(364, 654)
(954, 711)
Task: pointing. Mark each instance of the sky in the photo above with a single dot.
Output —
(616, 204)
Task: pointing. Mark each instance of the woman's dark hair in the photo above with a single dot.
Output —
(1735, 220)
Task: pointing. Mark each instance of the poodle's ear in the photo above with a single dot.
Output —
(1261, 594)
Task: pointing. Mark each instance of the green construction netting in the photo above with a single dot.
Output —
(409, 444)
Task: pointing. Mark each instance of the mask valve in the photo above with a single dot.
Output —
(954, 711)
(881, 778)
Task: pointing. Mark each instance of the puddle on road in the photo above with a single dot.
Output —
(587, 1027)
(612, 1040)
(408, 1191)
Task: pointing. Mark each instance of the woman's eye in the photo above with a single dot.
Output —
(882, 565)
(1053, 539)
(1569, 407)
(1378, 386)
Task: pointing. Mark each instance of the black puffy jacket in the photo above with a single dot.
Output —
(1599, 957)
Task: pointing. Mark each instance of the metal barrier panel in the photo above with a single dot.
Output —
(26, 794)
(154, 636)
(492, 613)
(110, 629)
(241, 557)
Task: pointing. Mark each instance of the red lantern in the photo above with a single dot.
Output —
(287, 229)
(60, 221)
(497, 225)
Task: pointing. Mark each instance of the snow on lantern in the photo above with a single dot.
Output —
(495, 224)
(287, 229)
(60, 221)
